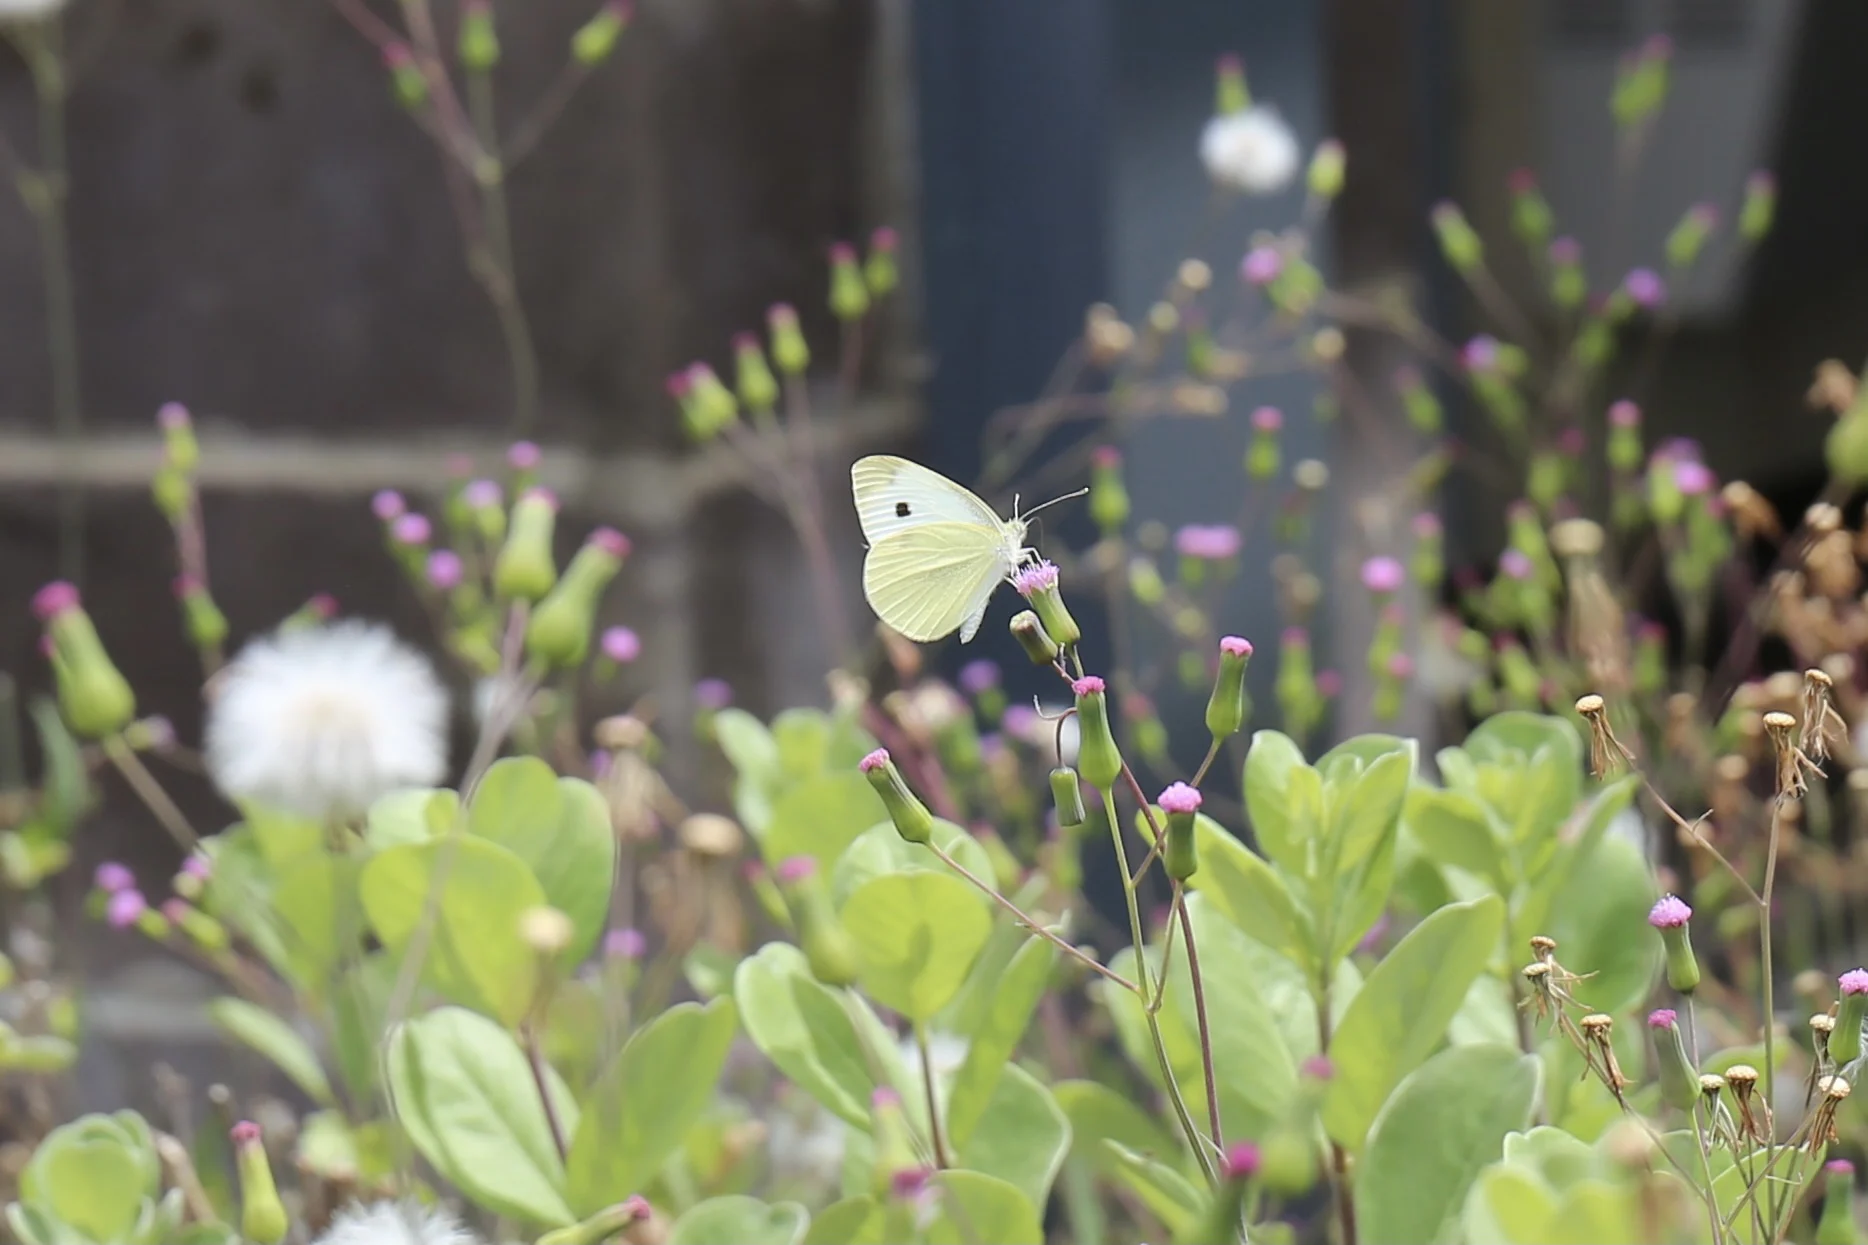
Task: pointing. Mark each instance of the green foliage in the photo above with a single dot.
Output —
(740, 1221)
(560, 828)
(917, 934)
(96, 1179)
(272, 1037)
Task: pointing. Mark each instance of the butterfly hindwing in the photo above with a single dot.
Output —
(932, 580)
(894, 495)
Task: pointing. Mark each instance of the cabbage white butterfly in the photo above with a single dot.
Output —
(936, 551)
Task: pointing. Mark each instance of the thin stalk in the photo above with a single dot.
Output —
(935, 1132)
(1702, 1134)
(1212, 753)
(1766, 975)
(499, 276)
(1188, 1127)
(1029, 922)
(150, 791)
(1199, 1009)
(1339, 1160)
(535, 1057)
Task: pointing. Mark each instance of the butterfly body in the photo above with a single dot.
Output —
(936, 550)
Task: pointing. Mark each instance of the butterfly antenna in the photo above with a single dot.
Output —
(1066, 497)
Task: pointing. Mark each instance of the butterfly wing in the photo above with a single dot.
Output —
(894, 495)
(932, 580)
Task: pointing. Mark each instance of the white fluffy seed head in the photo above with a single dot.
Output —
(395, 1223)
(322, 721)
(1252, 151)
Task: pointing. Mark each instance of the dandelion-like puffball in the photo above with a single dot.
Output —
(1253, 151)
(395, 1223)
(322, 721)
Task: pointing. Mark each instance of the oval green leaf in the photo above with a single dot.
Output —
(802, 1027)
(278, 1041)
(976, 1208)
(917, 935)
(989, 1053)
(1022, 1138)
(1284, 796)
(560, 828)
(1250, 893)
(740, 1221)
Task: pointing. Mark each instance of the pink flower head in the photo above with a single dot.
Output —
(112, 877)
(1657, 48)
(1480, 354)
(174, 910)
(1329, 684)
(1669, 912)
(1235, 646)
(796, 868)
(745, 343)
(411, 529)
(611, 542)
(1106, 458)
(1242, 1160)
(185, 585)
(678, 384)
(1855, 981)
(1383, 574)
(713, 694)
(197, 865)
(1267, 419)
(1208, 542)
(879, 759)
(483, 494)
(1262, 265)
(124, 907)
(57, 597)
(1318, 1068)
(1662, 1018)
(1565, 251)
(541, 497)
(1427, 526)
(1179, 798)
(1625, 414)
(1704, 215)
(1229, 63)
(1652, 632)
(322, 606)
(842, 253)
(1515, 564)
(620, 645)
(398, 55)
(1570, 442)
(458, 466)
(979, 676)
(1088, 685)
(1695, 479)
(1295, 637)
(523, 455)
(445, 569)
(1645, 288)
(637, 1205)
(245, 1133)
(1401, 666)
(1034, 579)
(172, 417)
(883, 238)
(781, 315)
(600, 765)
(909, 1183)
(625, 944)
(1762, 182)
(388, 505)
(884, 1097)
(1840, 1167)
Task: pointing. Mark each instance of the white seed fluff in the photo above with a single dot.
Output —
(1252, 151)
(395, 1223)
(320, 722)
(28, 10)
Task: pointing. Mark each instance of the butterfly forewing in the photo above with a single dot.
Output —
(930, 580)
(894, 495)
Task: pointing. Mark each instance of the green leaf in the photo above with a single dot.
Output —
(1403, 1010)
(464, 1093)
(1251, 894)
(802, 737)
(87, 1179)
(411, 817)
(819, 817)
(748, 745)
(1365, 782)
(990, 1049)
(976, 1208)
(1167, 1194)
(1488, 1015)
(1550, 883)
(653, 1093)
(917, 935)
(740, 1221)
(320, 926)
(1285, 799)
(1509, 1205)
(1098, 1113)
(880, 850)
(282, 837)
(1023, 1136)
(475, 955)
(803, 1028)
(1452, 830)
(1600, 922)
(1361, 896)
(277, 1041)
(560, 827)
(852, 1221)
(1256, 1073)
(65, 790)
(1444, 1123)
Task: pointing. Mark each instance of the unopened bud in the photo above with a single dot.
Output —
(789, 350)
(479, 42)
(93, 695)
(829, 949)
(546, 930)
(1679, 1079)
(180, 451)
(1109, 499)
(1180, 853)
(1670, 916)
(1098, 758)
(525, 569)
(405, 76)
(758, 388)
(1229, 94)
(1760, 207)
(880, 271)
(560, 629)
(1837, 1224)
(1226, 707)
(1463, 250)
(1326, 169)
(1531, 218)
(596, 38)
(1032, 637)
(1845, 1044)
(1067, 797)
(912, 819)
(849, 296)
(262, 1214)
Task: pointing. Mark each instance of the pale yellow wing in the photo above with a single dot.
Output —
(894, 495)
(935, 579)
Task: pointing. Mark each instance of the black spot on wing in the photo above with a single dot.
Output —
(901, 509)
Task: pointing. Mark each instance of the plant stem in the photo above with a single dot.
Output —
(499, 276)
(1766, 975)
(150, 791)
(1188, 1127)
(535, 1056)
(1339, 1159)
(1029, 922)
(1199, 775)
(1199, 1011)
(941, 1159)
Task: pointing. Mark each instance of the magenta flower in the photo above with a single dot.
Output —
(54, 599)
(1515, 564)
(620, 645)
(794, 869)
(1088, 685)
(1662, 1018)
(1693, 478)
(483, 494)
(1383, 575)
(1645, 288)
(1235, 646)
(410, 529)
(172, 417)
(878, 759)
(1262, 265)
(1480, 354)
(523, 455)
(979, 676)
(1669, 912)
(198, 866)
(1625, 414)
(388, 505)
(625, 944)
(112, 877)
(124, 907)
(713, 694)
(1242, 1160)
(445, 569)
(1855, 981)
(1179, 798)
(1035, 579)
(1267, 419)
(1208, 542)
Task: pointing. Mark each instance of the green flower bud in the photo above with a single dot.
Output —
(714, 406)
(1034, 639)
(1424, 411)
(262, 1214)
(180, 451)
(880, 272)
(1689, 237)
(1038, 585)
(911, 817)
(1230, 95)
(173, 493)
(1641, 83)
(610, 1223)
(1067, 797)
(789, 350)
(1145, 583)
(405, 76)
(1464, 252)
(1665, 501)
(560, 628)
(200, 928)
(1180, 854)
(1109, 498)
(829, 949)
(1754, 218)
(525, 569)
(1837, 1225)
(596, 38)
(207, 626)
(1098, 758)
(1225, 1216)
(38, 1055)
(1262, 457)
(1845, 1044)
(1845, 450)
(93, 695)
(1325, 178)
(894, 1142)
(1670, 916)
(1624, 448)
(1531, 218)
(758, 388)
(1569, 284)
(479, 42)
(1225, 708)
(1679, 1079)
(1299, 698)
(849, 296)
